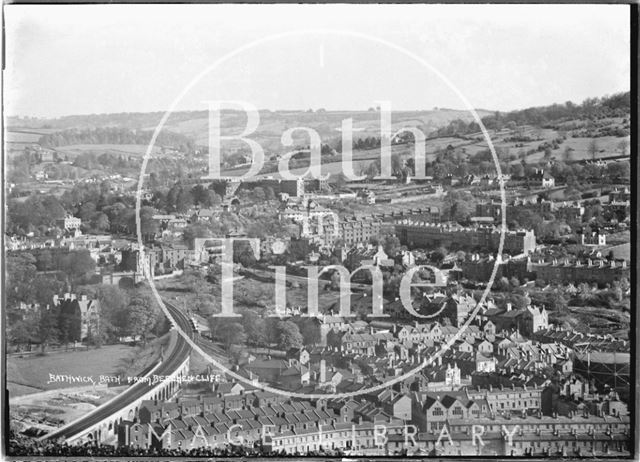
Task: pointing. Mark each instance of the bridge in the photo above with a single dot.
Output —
(102, 422)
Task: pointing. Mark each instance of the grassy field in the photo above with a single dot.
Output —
(30, 374)
(273, 124)
(361, 160)
(608, 145)
(21, 137)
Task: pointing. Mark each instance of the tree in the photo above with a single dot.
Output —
(148, 226)
(19, 333)
(438, 255)
(227, 331)
(69, 322)
(142, 317)
(46, 328)
(233, 334)
(617, 170)
(78, 263)
(258, 194)
(459, 211)
(213, 199)
(269, 193)
(397, 165)
(46, 286)
(391, 245)
(246, 257)
(44, 260)
(114, 316)
(255, 327)
(184, 201)
(87, 210)
(100, 221)
(35, 211)
(519, 300)
(194, 281)
(309, 329)
(557, 302)
(518, 171)
(372, 170)
(197, 230)
(289, 335)
(200, 195)
(623, 146)
(503, 284)
(593, 149)
(568, 153)
(335, 280)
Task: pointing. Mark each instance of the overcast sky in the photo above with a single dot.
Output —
(81, 59)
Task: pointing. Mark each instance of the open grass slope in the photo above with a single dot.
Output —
(31, 373)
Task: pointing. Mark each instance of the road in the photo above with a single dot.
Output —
(180, 352)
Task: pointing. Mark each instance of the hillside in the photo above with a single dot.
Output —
(114, 143)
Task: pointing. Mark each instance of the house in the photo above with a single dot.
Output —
(299, 355)
(484, 346)
(70, 222)
(87, 309)
(489, 328)
(399, 407)
(527, 320)
(267, 369)
(352, 343)
(436, 414)
(157, 412)
(345, 410)
(359, 257)
(574, 388)
(228, 388)
(452, 377)
(190, 407)
(294, 377)
(143, 435)
(484, 363)
(464, 346)
(456, 407)
(565, 366)
(456, 309)
(593, 239)
(203, 215)
(406, 258)
(541, 179)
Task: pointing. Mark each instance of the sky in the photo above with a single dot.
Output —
(86, 59)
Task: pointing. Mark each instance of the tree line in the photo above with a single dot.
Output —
(617, 105)
(115, 135)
